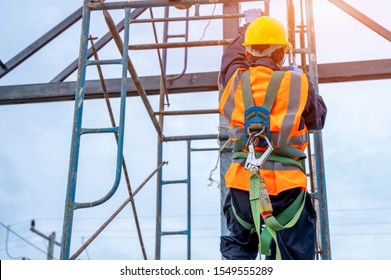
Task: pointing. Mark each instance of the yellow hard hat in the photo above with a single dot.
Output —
(266, 31)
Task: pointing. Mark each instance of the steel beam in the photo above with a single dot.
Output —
(355, 71)
(64, 91)
(195, 82)
(363, 18)
(158, 3)
(230, 30)
(98, 45)
(41, 42)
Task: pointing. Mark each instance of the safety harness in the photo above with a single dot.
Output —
(257, 133)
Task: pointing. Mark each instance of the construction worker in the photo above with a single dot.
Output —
(258, 53)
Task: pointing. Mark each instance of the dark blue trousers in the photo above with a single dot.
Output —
(296, 243)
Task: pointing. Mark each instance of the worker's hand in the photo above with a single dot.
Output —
(293, 68)
(252, 14)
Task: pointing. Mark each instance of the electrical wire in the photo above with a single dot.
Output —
(205, 215)
(360, 209)
(25, 240)
(206, 27)
(7, 251)
(361, 234)
(16, 246)
(7, 248)
(85, 250)
(361, 223)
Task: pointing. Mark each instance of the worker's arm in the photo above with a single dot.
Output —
(315, 111)
(234, 56)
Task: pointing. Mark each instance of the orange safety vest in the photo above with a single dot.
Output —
(285, 116)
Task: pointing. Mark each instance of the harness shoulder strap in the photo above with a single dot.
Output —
(272, 89)
(246, 90)
(271, 93)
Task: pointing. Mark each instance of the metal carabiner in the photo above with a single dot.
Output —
(252, 162)
(254, 137)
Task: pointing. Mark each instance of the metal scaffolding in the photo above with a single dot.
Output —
(307, 50)
(301, 35)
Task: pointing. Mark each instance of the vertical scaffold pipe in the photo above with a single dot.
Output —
(189, 199)
(230, 30)
(291, 23)
(158, 235)
(75, 143)
(318, 144)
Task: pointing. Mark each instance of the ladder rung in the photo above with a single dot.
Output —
(174, 182)
(171, 19)
(181, 44)
(187, 112)
(176, 36)
(178, 232)
(204, 149)
(302, 50)
(194, 137)
(106, 61)
(99, 130)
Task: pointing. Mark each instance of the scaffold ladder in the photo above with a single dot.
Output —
(315, 160)
(161, 182)
(78, 130)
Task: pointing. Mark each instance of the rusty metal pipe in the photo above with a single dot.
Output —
(147, 20)
(159, 3)
(132, 72)
(111, 218)
(181, 44)
(187, 112)
(126, 173)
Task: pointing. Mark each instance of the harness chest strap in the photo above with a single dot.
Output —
(275, 157)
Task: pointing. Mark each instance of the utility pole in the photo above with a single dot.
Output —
(51, 238)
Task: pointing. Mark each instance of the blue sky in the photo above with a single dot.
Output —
(35, 141)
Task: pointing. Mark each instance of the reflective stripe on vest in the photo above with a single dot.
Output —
(293, 107)
(230, 97)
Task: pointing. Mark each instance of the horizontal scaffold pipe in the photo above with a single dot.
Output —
(157, 3)
(187, 112)
(181, 45)
(195, 137)
(148, 20)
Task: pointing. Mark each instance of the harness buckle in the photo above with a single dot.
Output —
(256, 122)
